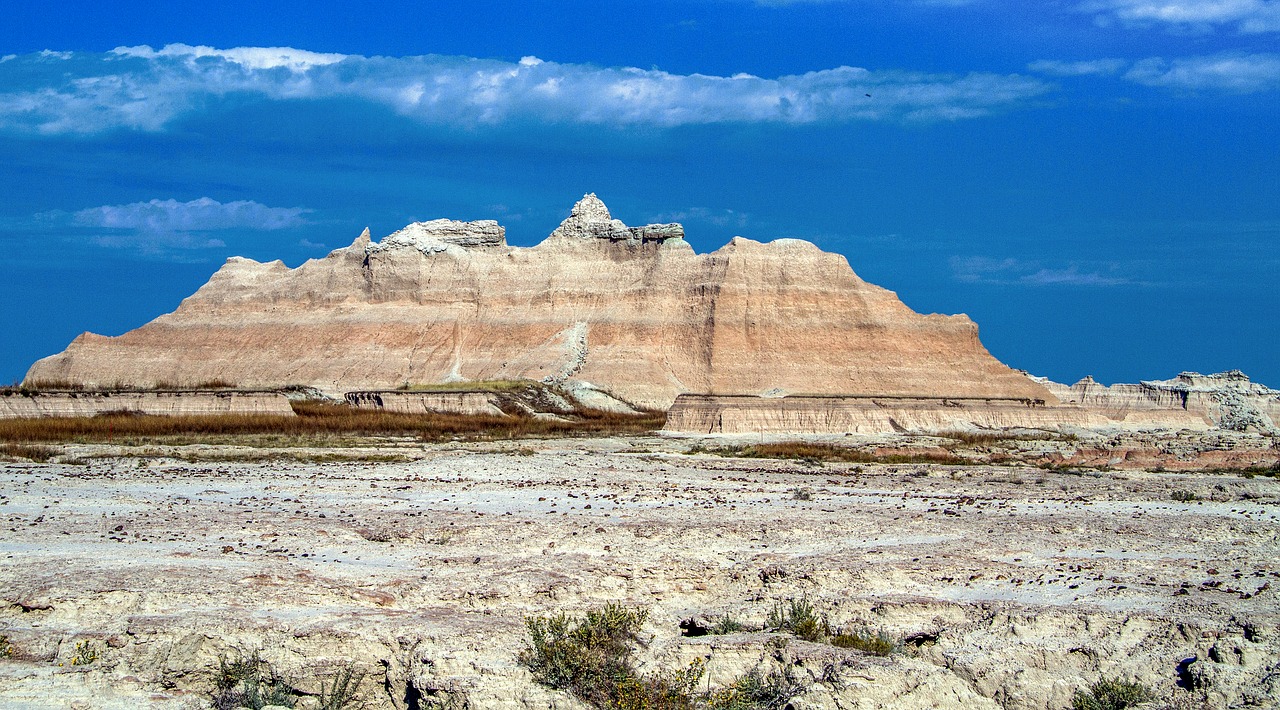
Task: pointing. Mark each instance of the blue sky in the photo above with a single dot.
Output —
(1095, 182)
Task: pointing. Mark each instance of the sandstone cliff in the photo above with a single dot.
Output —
(630, 310)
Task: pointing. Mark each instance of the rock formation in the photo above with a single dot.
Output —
(18, 404)
(1226, 400)
(597, 305)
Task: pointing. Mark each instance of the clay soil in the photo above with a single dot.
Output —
(125, 574)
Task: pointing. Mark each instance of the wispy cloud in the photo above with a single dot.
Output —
(141, 88)
(159, 226)
(203, 214)
(1230, 72)
(1096, 67)
(1245, 16)
(977, 269)
(717, 217)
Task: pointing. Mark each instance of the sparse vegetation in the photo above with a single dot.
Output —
(248, 681)
(1112, 694)
(992, 438)
(344, 693)
(592, 657)
(758, 691)
(818, 452)
(798, 617)
(726, 624)
(26, 451)
(1184, 496)
(875, 643)
(801, 494)
(6, 647)
(85, 654)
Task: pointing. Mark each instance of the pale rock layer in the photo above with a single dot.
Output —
(90, 404)
(631, 311)
(1227, 400)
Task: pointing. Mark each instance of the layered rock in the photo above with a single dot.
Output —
(719, 414)
(189, 403)
(633, 311)
(1226, 400)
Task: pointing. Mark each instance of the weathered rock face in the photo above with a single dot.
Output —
(89, 404)
(633, 311)
(1227, 400)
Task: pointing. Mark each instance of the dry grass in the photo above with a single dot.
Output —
(807, 451)
(317, 420)
(39, 386)
(991, 438)
(27, 451)
(476, 386)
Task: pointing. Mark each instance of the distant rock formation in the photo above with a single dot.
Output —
(596, 306)
(1226, 400)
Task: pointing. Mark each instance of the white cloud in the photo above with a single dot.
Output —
(1244, 73)
(1246, 16)
(140, 88)
(1096, 67)
(295, 60)
(978, 269)
(717, 217)
(204, 214)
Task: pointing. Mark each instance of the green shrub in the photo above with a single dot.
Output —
(345, 691)
(249, 681)
(85, 654)
(726, 625)
(798, 617)
(1112, 694)
(757, 691)
(877, 644)
(1183, 496)
(591, 657)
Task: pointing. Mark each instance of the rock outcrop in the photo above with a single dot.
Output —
(598, 305)
(1226, 400)
(718, 414)
(17, 404)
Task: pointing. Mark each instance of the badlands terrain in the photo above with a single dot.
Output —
(129, 572)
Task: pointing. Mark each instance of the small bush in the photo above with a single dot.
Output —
(758, 691)
(1184, 496)
(726, 625)
(249, 681)
(6, 647)
(85, 654)
(877, 644)
(345, 691)
(798, 617)
(591, 657)
(1112, 694)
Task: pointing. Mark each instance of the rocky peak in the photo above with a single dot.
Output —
(591, 209)
(590, 219)
(438, 234)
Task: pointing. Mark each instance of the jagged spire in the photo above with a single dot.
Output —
(590, 209)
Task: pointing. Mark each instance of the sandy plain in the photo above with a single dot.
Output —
(1006, 586)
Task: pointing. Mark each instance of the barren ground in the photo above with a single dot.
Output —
(1009, 587)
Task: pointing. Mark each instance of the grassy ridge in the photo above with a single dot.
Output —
(317, 419)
